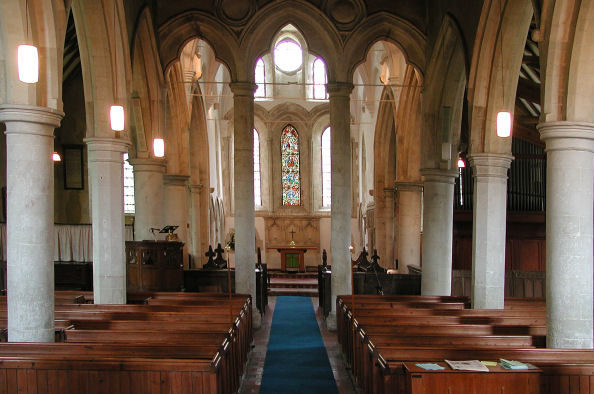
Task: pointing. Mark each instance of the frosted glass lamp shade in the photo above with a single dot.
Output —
(461, 163)
(159, 147)
(56, 157)
(116, 117)
(503, 124)
(28, 63)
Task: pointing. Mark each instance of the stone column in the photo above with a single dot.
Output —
(488, 229)
(30, 221)
(245, 231)
(106, 184)
(391, 244)
(340, 233)
(409, 224)
(175, 211)
(196, 248)
(570, 173)
(438, 216)
(148, 196)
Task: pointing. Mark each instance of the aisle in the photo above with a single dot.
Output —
(296, 359)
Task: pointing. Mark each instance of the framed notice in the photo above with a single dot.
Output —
(73, 167)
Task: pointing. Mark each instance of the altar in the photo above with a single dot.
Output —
(292, 259)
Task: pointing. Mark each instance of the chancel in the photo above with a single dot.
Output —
(260, 148)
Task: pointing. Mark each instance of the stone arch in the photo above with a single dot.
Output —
(443, 95)
(567, 57)
(176, 32)
(497, 57)
(384, 147)
(318, 31)
(46, 25)
(199, 165)
(383, 26)
(105, 62)
(147, 84)
(408, 127)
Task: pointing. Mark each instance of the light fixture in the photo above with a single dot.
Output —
(116, 112)
(503, 124)
(56, 156)
(158, 147)
(504, 120)
(116, 117)
(461, 163)
(27, 56)
(28, 63)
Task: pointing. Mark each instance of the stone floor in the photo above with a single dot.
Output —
(253, 376)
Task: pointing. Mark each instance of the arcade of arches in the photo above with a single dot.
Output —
(403, 88)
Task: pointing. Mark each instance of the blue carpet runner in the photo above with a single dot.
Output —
(296, 359)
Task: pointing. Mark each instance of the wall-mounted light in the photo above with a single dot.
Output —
(27, 56)
(461, 163)
(56, 157)
(116, 117)
(504, 124)
(28, 63)
(158, 147)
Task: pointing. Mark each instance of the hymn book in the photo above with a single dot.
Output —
(468, 365)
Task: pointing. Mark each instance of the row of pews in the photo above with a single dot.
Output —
(158, 343)
(383, 337)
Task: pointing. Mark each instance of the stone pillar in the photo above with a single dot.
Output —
(387, 260)
(488, 229)
(245, 231)
(106, 184)
(148, 196)
(570, 173)
(175, 211)
(196, 248)
(438, 217)
(30, 221)
(409, 224)
(340, 236)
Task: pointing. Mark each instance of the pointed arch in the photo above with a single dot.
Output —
(496, 60)
(105, 62)
(443, 95)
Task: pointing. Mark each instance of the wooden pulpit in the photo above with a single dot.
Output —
(292, 259)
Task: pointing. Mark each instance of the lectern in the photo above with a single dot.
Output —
(292, 259)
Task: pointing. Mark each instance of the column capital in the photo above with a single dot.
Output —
(107, 144)
(408, 186)
(337, 89)
(437, 175)
(197, 188)
(490, 164)
(175, 180)
(30, 114)
(243, 88)
(145, 164)
(567, 135)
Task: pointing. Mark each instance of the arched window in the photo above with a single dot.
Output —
(326, 169)
(260, 78)
(257, 176)
(129, 206)
(290, 166)
(319, 79)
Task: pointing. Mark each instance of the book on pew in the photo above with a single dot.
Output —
(468, 365)
(512, 364)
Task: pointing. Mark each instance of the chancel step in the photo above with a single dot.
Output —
(296, 284)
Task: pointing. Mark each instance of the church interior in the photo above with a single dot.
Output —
(180, 174)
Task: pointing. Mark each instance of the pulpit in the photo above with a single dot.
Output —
(292, 259)
(154, 265)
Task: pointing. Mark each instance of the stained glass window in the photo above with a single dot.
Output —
(257, 189)
(326, 169)
(128, 186)
(290, 166)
